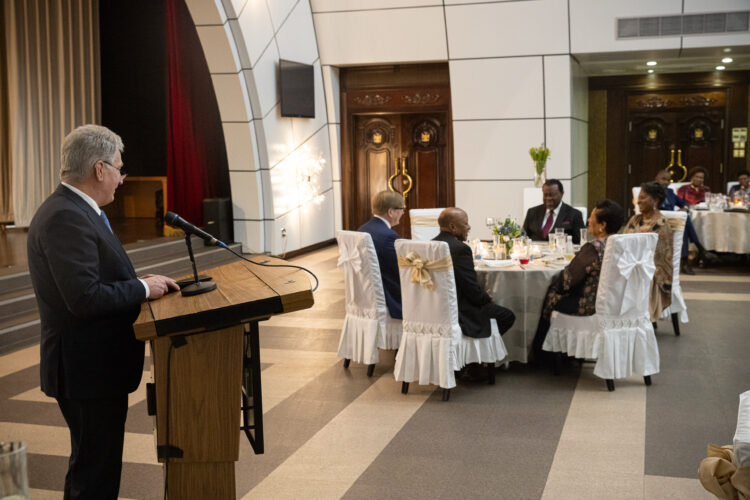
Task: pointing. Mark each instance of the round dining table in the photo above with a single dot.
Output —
(723, 231)
(522, 290)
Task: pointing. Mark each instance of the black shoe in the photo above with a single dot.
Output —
(686, 268)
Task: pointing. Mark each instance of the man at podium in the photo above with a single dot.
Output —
(88, 296)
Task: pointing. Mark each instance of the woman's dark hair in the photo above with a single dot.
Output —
(697, 170)
(655, 191)
(612, 213)
(743, 172)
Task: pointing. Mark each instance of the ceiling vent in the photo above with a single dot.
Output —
(689, 24)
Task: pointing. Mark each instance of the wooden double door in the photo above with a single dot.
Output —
(676, 131)
(404, 152)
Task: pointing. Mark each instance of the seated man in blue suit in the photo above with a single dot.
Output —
(387, 209)
(674, 202)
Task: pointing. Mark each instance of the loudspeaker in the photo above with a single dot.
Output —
(217, 218)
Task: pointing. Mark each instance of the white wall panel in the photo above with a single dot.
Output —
(716, 40)
(339, 5)
(265, 75)
(255, 22)
(267, 189)
(497, 88)
(490, 199)
(218, 47)
(296, 38)
(233, 7)
(559, 140)
(250, 233)
(579, 156)
(239, 138)
(381, 36)
(278, 135)
(593, 24)
(332, 89)
(580, 95)
(495, 149)
(290, 222)
(557, 86)
(334, 137)
(240, 44)
(280, 10)
(232, 97)
(317, 221)
(246, 194)
(206, 11)
(701, 6)
(507, 29)
(338, 209)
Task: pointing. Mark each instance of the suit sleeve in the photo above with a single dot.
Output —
(467, 285)
(527, 223)
(77, 260)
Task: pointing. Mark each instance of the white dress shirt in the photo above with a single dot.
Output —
(554, 215)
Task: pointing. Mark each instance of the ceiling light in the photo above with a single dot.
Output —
(727, 60)
(727, 50)
(651, 63)
(651, 71)
(720, 68)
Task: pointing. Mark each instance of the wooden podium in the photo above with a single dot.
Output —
(206, 365)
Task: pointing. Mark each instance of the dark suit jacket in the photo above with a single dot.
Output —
(471, 297)
(383, 238)
(569, 219)
(88, 297)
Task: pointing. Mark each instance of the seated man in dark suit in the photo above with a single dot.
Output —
(475, 306)
(387, 209)
(552, 214)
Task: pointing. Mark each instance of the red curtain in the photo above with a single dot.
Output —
(196, 155)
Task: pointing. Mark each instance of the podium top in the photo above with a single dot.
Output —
(243, 292)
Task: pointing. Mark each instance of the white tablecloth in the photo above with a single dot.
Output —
(723, 231)
(523, 292)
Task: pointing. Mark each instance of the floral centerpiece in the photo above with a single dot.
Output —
(539, 155)
(507, 230)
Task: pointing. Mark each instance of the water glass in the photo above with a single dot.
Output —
(552, 242)
(14, 478)
(584, 235)
(559, 230)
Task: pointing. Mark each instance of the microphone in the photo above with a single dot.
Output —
(175, 220)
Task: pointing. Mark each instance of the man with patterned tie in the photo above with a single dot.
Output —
(553, 214)
(88, 296)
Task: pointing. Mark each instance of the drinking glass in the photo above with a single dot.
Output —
(552, 242)
(584, 235)
(14, 479)
(559, 230)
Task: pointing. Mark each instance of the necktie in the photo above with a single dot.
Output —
(106, 222)
(547, 225)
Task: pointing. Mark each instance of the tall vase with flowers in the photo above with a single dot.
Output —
(539, 155)
(504, 232)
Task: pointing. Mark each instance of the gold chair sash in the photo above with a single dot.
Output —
(421, 268)
(425, 220)
(677, 225)
(719, 474)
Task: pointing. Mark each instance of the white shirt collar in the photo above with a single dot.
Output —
(386, 222)
(556, 211)
(88, 199)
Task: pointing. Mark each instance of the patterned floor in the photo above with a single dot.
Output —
(333, 433)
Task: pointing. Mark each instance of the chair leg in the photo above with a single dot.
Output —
(654, 325)
(346, 362)
(370, 370)
(446, 394)
(404, 387)
(647, 379)
(491, 373)
(676, 324)
(610, 385)
(557, 364)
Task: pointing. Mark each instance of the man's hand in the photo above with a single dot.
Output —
(159, 285)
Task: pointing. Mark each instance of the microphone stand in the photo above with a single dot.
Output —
(198, 286)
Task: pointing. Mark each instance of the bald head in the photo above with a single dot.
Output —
(455, 221)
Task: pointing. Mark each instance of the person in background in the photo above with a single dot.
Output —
(553, 214)
(89, 296)
(650, 220)
(695, 192)
(743, 177)
(387, 208)
(574, 290)
(674, 202)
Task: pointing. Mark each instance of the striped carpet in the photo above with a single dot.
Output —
(333, 433)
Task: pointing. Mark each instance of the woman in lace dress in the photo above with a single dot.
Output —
(651, 220)
(574, 290)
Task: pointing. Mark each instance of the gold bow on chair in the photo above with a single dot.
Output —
(425, 220)
(719, 474)
(420, 273)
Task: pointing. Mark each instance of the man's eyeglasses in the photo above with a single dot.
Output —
(121, 170)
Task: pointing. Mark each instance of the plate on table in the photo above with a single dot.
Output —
(555, 262)
(498, 263)
(700, 206)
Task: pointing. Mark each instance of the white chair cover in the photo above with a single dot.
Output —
(678, 305)
(584, 212)
(742, 434)
(636, 192)
(620, 335)
(367, 324)
(432, 346)
(424, 224)
(730, 184)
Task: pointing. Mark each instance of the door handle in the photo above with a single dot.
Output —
(407, 180)
(672, 167)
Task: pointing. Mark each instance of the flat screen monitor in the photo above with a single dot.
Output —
(297, 89)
